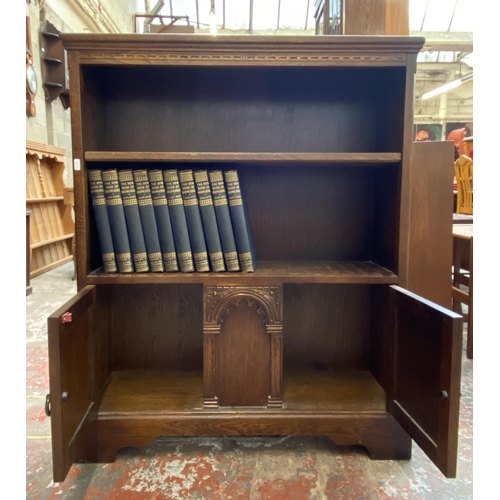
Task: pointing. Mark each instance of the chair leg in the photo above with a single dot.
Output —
(471, 292)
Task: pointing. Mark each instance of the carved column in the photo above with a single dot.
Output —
(231, 314)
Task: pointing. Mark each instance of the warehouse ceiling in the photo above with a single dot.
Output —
(446, 25)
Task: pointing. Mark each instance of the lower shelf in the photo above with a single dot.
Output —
(139, 407)
(316, 392)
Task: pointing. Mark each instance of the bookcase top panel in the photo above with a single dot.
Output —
(241, 49)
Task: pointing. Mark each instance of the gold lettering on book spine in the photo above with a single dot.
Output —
(141, 262)
(201, 260)
(109, 262)
(170, 261)
(217, 261)
(186, 261)
(124, 262)
(156, 261)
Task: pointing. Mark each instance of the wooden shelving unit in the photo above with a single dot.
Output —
(325, 336)
(52, 227)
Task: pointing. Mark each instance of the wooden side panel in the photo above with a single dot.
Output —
(430, 242)
(364, 17)
(381, 352)
(397, 17)
(71, 393)
(427, 363)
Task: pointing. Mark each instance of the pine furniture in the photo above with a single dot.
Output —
(325, 337)
(464, 173)
(51, 224)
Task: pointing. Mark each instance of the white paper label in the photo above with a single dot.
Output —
(76, 164)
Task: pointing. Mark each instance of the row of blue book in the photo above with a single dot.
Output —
(170, 220)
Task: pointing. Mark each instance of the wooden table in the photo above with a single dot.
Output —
(463, 275)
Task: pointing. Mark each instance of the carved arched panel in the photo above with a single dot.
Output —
(243, 346)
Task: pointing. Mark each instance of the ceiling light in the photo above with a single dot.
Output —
(447, 86)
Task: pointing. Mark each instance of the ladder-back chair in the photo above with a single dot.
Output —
(463, 173)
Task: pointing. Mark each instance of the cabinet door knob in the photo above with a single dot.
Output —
(444, 395)
(47, 405)
(65, 396)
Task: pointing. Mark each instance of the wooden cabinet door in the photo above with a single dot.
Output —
(425, 397)
(430, 221)
(70, 364)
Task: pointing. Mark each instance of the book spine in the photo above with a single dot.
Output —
(178, 219)
(134, 225)
(241, 224)
(209, 221)
(117, 221)
(224, 224)
(163, 222)
(193, 217)
(102, 221)
(148, 220)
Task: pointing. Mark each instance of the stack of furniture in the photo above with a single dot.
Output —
(326, 336)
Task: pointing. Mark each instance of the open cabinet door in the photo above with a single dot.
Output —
(70, 395)
(427, 363)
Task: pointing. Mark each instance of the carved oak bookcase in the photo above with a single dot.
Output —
(325, 337)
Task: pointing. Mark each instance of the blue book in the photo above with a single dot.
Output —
(178, 219)
(102, 221)
(117, 221)
(163, 222)
(224, 223)
(209, 221)
(148, 220)
(133, 218)
(241, 223)
(194, 224)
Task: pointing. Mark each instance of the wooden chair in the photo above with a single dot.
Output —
(463, 276)
(464, 174)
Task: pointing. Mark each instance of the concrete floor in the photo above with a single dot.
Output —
(300, 468)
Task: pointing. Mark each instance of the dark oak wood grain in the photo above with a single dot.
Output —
(310, 391)
(266, 273)
(426, 393)
(319, 130)
(431, 219)
(365, 159)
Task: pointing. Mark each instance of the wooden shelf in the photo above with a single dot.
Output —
(152, 392)
(272, 272)
(53, 240)
(44, 200)
(53, 85)
(52, 60)
(324, 158)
